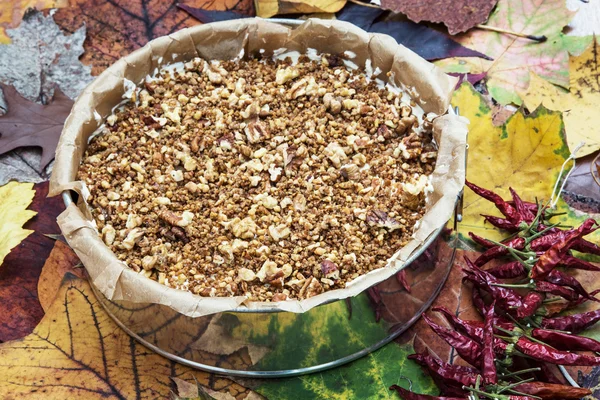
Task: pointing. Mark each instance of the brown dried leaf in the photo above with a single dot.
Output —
(457, 15)
(77, 351)
(60, 261)
(20, 311)
(30, 124)
(117, 27)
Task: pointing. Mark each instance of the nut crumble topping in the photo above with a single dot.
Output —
(263, 178)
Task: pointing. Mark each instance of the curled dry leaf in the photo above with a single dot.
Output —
(457, 15)
(579, 105)
(14, 200)
(89, 356)
(514, 57)
(30, 124)
(12, 11)
(269, 8)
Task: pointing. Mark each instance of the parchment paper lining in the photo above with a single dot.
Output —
(225, 40)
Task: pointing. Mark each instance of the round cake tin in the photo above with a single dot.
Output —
(272, 343)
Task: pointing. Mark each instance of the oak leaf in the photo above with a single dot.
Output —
(526, 153)
(77, 351)
(426, 42)
(117, 27)
(14, 200)
(12, 11)
(269, 8)
(41, 57)
(30, 124)
(579, 105)
(19, 273)
(514, 57)
(457, 15)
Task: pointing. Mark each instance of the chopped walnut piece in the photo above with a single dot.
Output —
(272, 180)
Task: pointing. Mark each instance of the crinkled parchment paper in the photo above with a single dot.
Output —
(226, 40)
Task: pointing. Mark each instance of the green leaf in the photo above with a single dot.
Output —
(366, 378)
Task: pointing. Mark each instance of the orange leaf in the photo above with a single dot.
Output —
(60, 261)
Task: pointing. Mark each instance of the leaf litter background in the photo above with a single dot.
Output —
(54, 313)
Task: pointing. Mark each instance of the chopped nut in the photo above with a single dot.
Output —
(381, 219)
(350, 171)
(335, 153)
(246, 274)
(108, 234)
(279, 232)
(256, 132)
(284, 75)
(148, 262)
(243, 228)
(132, 238)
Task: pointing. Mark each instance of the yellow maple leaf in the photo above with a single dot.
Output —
(526, 153)
(269, 8)
(14, 199)
(579, 105)
(12, 11)
(77, 351)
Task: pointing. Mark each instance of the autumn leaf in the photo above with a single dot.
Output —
(366, 378)
(30, 124)
(41, 57)
(14, 200)
(458, 16)
(12, 11)
(269, 8)
(426, 42)
(117, 27)
(514, 57)
(61, 260)
(579, 105)
(77, 351)
(206, 16)
(526, 153)
(19, 273)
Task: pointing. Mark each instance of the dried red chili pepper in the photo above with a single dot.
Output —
(474, 329)
(573, 262)
(531, 302)
(585, 246)
(517, 243)
(452, 375)
(506, 299)
(482, 241)
(477, 300)
(513, 269)
(561, 291)
(488, 367)
(408, 395)
(547, 354)
(468, 349)
(551, 258)
(560, 278)
(505, 208)
(501, 223)
(403, 280)
(552, 390)
(572, 323)
(524, 212)
(565, 341)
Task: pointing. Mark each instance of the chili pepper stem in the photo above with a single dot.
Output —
(480, 392)
(538, 234)
(523, 371)
(512, 385)
(512, 286)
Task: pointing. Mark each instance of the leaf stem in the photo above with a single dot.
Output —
(535, 38)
